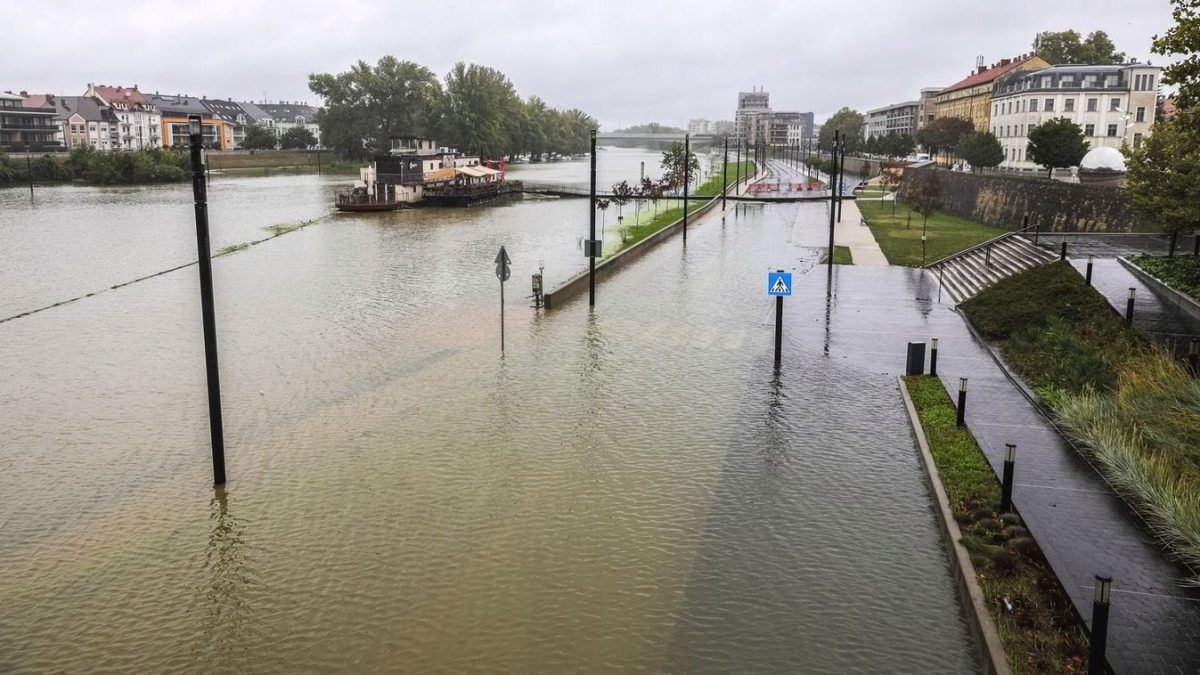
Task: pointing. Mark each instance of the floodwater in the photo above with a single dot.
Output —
(626, 489)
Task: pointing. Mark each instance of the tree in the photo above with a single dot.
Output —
(258, 138)
(981, 149)
(943, 134)
(1183, 39)
(673, 166)
(297, 138)
(922, 191)
(904, 145)
(889, 176)
(367, 106)
(849, 123)
(1056, 144)
(1161, 175)
(1066, 47)
(622, 193)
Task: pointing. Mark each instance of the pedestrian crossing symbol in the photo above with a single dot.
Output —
(779, 283)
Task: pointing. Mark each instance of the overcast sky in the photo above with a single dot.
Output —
(626, 62)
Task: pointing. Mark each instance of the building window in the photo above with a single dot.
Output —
(1141, 114)
(1150, 82)
(1137, 140)
(1069, 105)
(1138, 82)
(1067, 81)
(1033, 105)
(1114, 104)
(1089, 130)
(1093, 104)
(1049, 105)
(1112, 130)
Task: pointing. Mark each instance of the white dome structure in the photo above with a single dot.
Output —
(1103, 159)
(1102, 167)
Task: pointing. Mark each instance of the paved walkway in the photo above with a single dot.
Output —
(1162, 322)
(853, 233)
(865, 321)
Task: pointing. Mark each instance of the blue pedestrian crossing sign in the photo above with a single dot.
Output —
(779, 283)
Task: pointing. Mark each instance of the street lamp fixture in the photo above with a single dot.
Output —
(1103, 589)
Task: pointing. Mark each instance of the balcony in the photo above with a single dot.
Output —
(26, 126)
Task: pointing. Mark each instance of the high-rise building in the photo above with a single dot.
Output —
(755, 122)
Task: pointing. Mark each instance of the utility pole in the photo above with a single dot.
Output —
(725, 173)
(591, 253)
(200, 195)
(833, 177)
(687, 178)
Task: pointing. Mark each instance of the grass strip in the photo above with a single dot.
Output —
(898, 230)
(1134, 407)
(841, 256)
(1038, 629)
(712, 187)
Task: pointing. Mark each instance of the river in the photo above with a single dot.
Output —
(627, 489)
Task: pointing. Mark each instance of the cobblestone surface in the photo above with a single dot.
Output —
(864, 316)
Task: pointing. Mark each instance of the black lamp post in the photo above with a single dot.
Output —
(962, 402)
(933, 356)
(1006, 486)
(1087, 277)
(200, 194)
(1100, 604)
(1129, 306)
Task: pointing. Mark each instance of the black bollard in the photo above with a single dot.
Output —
(207, 305)
(1100, 603)
(933, 357)
(962, 401)
(1087, 277)
(1129, 307)
(1063, 255)
(1006, 487)
(1194, 356)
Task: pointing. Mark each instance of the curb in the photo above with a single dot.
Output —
(991, 656)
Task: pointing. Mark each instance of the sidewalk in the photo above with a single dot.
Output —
(1083, 529)
(851, 232)
(1160, 322)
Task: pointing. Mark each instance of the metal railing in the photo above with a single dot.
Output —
(985, 245)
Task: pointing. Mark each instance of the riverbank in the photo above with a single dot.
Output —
(248, 162)
(88, 166)
(1133, 408)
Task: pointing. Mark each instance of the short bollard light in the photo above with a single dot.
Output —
(1129, 307)
(1193, 355)
(1087, 277)
(1063, 255)
(962, 401)
(1010, 460)
(933, 355)
(1100, 604)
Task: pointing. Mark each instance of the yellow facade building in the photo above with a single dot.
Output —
(971, 97)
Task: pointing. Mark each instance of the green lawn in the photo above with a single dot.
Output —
(647, 223)
(900, 238)
(1134, 407)
(1040, 635)
(841, 256)
(712, 187)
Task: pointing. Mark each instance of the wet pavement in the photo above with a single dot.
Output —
(1160, 321)
(1083, 529)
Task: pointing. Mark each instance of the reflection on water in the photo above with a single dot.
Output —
(629, 488)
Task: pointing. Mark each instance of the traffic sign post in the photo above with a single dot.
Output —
(503, 272)
(779, 285)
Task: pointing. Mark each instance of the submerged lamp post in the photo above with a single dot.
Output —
(200, 194)
(1100, 604)
(962, 401)
(1129, 306)
(1006, 487)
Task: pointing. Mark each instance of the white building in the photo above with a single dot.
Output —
(898, 118)
(1112, 104)
(140, 120)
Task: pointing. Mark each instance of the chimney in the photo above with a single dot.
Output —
(24, 93)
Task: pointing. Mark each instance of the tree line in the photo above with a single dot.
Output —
(474, 108)
(85, 163)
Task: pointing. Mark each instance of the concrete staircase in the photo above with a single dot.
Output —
(963, 275)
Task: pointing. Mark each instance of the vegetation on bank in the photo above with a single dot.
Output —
(1039, 633)
(712, 187)
(86, 164)
(841, 256)
(632, 234)
(1133, 407)
(305, 160)
(897, 229)
(1180, 272)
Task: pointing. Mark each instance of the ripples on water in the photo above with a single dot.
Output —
(627, 489)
